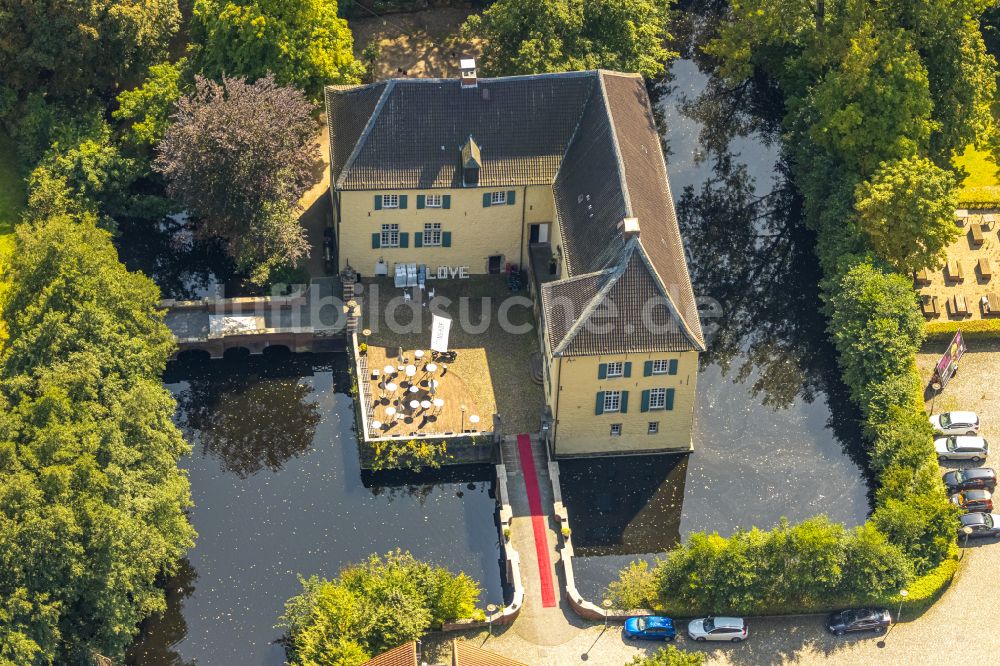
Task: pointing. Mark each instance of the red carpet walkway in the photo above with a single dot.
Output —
(537, 521)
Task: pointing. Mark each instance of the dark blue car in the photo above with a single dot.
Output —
(650, 628)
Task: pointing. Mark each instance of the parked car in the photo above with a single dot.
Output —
(982, 524)
(974, 478)
(974, 500)
(732, 629)
(955, 423)
(961, 447)
(650, 628)
(859, 619)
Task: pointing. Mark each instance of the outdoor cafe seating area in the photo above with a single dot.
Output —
(414, 393)
(964, 288)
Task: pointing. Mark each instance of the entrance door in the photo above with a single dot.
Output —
(496, 261)
(538, 233)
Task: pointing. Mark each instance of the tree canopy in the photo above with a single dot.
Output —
(92, 504)
(372, 607)
(304, 43)
(530, 37)
(907, 210)
(669, 656)
(239, 156)
(65, 49)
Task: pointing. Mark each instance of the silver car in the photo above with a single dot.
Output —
(955, 423)
(961, 447)
(732, 629)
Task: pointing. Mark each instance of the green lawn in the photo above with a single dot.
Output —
(981, 186)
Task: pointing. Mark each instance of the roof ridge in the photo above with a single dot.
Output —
(359, 144)
(574, 74)
(618, 150)
(698, 337)
(582, 276)
(349, 87)
(596, 300)
(696, 340)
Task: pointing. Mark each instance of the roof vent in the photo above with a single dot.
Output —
(629, 227)
(468, 67)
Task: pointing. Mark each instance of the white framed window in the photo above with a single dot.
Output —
(653, 428)
(616, 369)
(433, 201)
(390, 201)
(616, 429)
(612, 401)
(658, 398)
(498, 198)
(432, 234)
(660, 367)
(390, 235)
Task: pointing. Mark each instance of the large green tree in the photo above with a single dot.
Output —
(64, 49)
(374, 606)
(530, 37)
(670, 656)
(907, 210)
(92, 504)
(239, 156)
(304, 43)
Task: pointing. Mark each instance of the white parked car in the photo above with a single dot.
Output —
(732, 629)
(956, 423)
(961, 447)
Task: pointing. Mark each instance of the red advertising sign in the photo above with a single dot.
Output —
(948, 365)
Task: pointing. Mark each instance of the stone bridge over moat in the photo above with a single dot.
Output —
(312, 320)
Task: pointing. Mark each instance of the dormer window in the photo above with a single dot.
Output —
(471, 163)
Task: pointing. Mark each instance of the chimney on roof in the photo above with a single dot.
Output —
(468, 67)
(629, 227)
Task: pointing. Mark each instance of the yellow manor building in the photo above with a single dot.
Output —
(562, 175)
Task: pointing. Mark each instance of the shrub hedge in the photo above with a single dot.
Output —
(974, 329)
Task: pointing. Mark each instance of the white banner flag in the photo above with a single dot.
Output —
(440, 326)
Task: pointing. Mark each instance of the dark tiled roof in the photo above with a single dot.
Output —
(404, 655)
(615, 311)
(645, 173)
(522, 125)
(348, 110)
(590, 134)
(588, 194)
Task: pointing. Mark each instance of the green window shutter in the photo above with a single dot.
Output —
(404, 239)
(486, 199)
(644, 407)
(418, 239)
(376, 240)
(420, 201)
(670, 399)
(627, 371)
(402, 201)
(624, 402)
(602, 371)
(672, 366)
(378, 202)
(599, 409)
(446, 239)
(446, 201)
(647, 368)
(511, 195)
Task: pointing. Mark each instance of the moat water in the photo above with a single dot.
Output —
(274, 471)
(278, 491)
(774, 433)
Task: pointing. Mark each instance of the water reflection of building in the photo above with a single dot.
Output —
(624, 506)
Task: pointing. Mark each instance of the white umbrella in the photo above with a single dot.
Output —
(425, 404)
(390, 387)
(431, 367)
(390, 412)
(473, 419)
(419, 354)
(414, 404)
(414, 388)
(388, 370)
(411, 370)
(376, 425)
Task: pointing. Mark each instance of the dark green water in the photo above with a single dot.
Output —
(278, 492)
